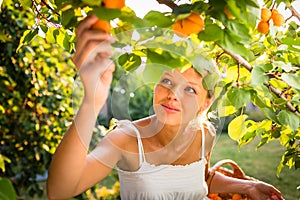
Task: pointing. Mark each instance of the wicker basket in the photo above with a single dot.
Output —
(235, 172)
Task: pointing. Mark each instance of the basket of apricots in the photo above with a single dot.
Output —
(266, 15)
(235, 172)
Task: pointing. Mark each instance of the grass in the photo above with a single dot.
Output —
(260, 164)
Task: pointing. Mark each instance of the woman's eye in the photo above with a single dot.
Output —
(190, 90)
(166, 81)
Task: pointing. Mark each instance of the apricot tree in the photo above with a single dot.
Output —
(255, 47)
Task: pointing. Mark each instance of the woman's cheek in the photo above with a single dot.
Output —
(190, 108)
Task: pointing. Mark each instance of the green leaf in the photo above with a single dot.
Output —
(290, 41)
(106, 14)
(3, 159)
(289, 119)
(292, 79)
(165, 58)
(153, 72)
(130, 61)
(269, 113)
(92, 2)
(52, 34)
(234, 10)
(128, 16)
(155, 18)
(44, 28)
(7, 191)
(212, 32)
(224, 110)
(182, 9)
(63, 39)
(258, 76)
(201, 62)
(231, 44)
(209, 81)
(237, 128)
(238, 97)
(239, 30)
(26, 3)
(67, 16)
(28, 35)
(253, 3)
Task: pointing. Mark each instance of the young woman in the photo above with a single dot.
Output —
(159, 157)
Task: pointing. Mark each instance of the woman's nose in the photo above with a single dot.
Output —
(173, 94)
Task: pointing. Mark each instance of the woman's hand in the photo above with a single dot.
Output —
(92, 59)
(263, 191)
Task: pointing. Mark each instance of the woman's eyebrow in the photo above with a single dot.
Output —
(169, 73)
(196, 84)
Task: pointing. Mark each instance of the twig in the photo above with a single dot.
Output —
(39, 14)
(277, 92)
(238, 76)
(294, 12)
(168, 3)
(240, 60)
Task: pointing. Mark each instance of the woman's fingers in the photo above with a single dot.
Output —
(91, 48)
(88, 39)
(86, 24)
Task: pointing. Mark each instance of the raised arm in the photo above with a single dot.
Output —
(72, 170)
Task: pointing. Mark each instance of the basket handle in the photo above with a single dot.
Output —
(237, 171)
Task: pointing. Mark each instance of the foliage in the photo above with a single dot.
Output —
(35, 83)
(257, 68)
(6, 185)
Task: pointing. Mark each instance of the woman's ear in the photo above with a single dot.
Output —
(207, 103)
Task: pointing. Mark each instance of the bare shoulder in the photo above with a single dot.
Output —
(123, 136)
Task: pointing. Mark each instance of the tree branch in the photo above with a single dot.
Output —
(294, 12)
(278, 93)
(240, 60)
(168, 3)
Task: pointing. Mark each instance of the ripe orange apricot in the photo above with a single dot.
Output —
(228, 13)
(212, 195)
(265, 14)
(277, 18)
(102, 25)
(43, 3)
(119, 4)
(191, 24)
(263, 27)
(237, 197)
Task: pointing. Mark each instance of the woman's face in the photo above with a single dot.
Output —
(179, 97)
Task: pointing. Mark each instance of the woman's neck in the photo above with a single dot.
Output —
(165, 133)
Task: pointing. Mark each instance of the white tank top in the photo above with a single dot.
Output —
(163, 182)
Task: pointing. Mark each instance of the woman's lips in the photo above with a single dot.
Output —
(170, 108)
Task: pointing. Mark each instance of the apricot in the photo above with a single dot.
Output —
(237, 197)
(102, 25)
(117, 4)
(263, 27)
(265, 14)
(228, 13)
(44, 3)
(213, 195)
(277, 18)
(194, 23)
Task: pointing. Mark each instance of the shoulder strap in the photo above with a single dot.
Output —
(203, 142)
(142, 157)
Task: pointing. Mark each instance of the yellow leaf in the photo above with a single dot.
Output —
(237, 128)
